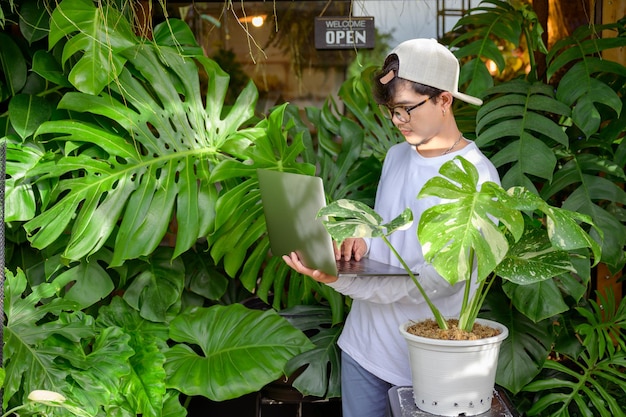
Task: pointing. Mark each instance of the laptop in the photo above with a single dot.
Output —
(290, 204)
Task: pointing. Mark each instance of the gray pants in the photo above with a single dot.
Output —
(362, 394)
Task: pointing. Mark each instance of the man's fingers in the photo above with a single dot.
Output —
(293, 261)
(347, 248)
(353, 248)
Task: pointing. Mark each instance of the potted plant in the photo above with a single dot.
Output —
(557, 130)
(474, 236)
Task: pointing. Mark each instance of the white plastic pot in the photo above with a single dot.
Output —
(454, 377)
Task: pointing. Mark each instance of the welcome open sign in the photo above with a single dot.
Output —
(344, 32)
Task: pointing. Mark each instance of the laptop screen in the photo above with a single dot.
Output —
(291, 203)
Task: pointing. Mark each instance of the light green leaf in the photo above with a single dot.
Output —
(176, 33)
(98, 372)
(450, 231)
(30, 354)
(146, 382)
(163, 111)
(102, 34)
(19, 200)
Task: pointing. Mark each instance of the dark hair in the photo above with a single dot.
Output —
(385, 93)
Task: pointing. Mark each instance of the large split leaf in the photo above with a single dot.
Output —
(142, 185)
(317, 371)
(580, 87)
(463, 224)
(518, 111)
(596, 196)
(99, 34)
(525, 350)
(451, 231)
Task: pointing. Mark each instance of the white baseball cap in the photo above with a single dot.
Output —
(428, 62)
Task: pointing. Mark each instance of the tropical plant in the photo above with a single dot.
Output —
(131, 190)
(119, 362)
(559, 134)
(590, 380)
(559, 137)
(98, 179)
(462, 235)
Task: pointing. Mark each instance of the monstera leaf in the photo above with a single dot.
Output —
(317, 371)
(151, 164)
(517, 111)
(463, 224)
(491, 21)
(99, 34)
(580, 86)
(122, 360)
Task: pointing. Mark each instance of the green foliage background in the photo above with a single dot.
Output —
(115, 149)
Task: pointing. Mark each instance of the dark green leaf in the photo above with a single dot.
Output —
(13, 64)
(48, 68)
(316, 372)
(34, 20)
(523, 353)
(28, 112)
(158, 287)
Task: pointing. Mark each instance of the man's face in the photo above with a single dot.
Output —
(416, 116)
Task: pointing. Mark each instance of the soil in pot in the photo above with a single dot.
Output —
(429, 328)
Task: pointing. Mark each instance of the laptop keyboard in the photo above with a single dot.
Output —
(350, 266)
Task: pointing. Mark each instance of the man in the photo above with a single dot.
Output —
(415, 88)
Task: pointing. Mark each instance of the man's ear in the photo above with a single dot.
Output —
(446, 100)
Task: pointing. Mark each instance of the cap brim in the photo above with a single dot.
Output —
(468, 99)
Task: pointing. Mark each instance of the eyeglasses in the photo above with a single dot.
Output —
(401, 113)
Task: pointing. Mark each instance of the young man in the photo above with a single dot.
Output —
(416, 88)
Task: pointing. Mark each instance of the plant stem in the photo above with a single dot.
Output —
(468, 286)
(531, 56)
(14, 409)
(441, 321)
(466, 321)
(467, 317)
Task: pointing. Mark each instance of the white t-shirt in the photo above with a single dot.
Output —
(380, 305)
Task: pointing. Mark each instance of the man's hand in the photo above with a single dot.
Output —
(351, 247)
(293, 260)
